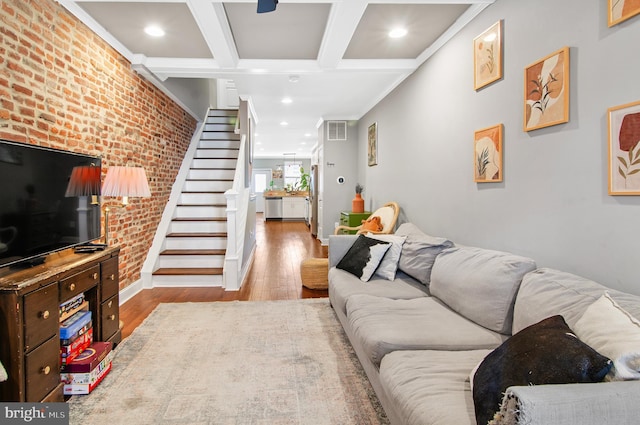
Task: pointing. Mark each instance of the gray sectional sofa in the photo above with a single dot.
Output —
(420, 336)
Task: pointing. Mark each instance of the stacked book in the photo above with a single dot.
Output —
(86, 371)
(76, 330)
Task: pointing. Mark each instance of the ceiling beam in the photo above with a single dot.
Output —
(214, 26)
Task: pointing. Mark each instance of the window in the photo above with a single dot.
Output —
(291, 172)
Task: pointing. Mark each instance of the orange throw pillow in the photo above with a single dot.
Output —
(372, 224)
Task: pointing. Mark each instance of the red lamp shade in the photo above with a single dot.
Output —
(84, 181)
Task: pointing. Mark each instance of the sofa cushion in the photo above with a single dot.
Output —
(419, 251)
(342, 285)
(430, 387)
(364, 257)
(480, 284)
(544, 353)
(382, 325)
(547, 292)
(389, 264)
(612, 332)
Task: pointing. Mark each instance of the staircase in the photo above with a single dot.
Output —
(194, 248)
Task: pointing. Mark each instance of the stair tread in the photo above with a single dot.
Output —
(197, 235)
(199, 219)
(193, 252)
(212, 271)
(202, 205)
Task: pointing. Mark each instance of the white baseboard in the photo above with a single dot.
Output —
(130, 291)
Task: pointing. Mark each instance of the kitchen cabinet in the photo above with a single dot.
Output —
(294, 207)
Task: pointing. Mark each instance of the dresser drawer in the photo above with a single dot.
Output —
(110, 318)
(109, 278)
(40, 315)
(80, 282)
(42, 370)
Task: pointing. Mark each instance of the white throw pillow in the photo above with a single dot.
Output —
(389, 265)
(612, 332)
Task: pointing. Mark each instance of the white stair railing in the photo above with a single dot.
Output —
(237, 207)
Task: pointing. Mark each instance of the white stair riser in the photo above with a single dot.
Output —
(201, 212)
(207, 185)
(220, 127)
(222, 119)
(203, 198)
(219, 135)
(214, 163)
(190, 261)
(198, 227)
(227, 144)
(211, 174)
(217, 153)
(187, 281)
(195, 243)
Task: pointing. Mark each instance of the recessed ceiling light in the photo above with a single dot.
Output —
(286, 100)
(284, 123)
(397, 33)
(154, 31)
(307, 134)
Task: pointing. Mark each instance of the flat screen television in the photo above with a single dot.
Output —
(38, 215)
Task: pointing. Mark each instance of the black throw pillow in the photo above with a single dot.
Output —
(544, 353)
(364, 257)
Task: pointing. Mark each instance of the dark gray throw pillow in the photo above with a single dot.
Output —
(364, 257)
(544, 353)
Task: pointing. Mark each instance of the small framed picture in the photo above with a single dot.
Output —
(487, 56)
(546, 91)
(487, 155)
(624, 149)
(621, 10)
(372, 144)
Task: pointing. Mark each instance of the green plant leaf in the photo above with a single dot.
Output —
(624, 162)
(636, 162)
(637, 170)
(621, 172)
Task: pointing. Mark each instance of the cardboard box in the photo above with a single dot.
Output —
(80, 389)
(89, 359)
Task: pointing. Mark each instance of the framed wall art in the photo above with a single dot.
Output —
(621, 10)
(624, 149)
(372, 144)
(487, 56)
(487, 154)
(546, 91)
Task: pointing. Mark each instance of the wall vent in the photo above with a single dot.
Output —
(336, 130)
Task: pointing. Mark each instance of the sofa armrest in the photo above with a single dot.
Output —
(571, 404)
(338, 246)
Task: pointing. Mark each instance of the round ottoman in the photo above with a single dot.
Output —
(314, 273)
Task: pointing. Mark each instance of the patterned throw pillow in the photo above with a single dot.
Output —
(364, 257)
(544, 353)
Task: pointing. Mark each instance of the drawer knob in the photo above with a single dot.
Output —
(110, 303)
(95, 276)
(45, 370)
(45, 314)
(72, 286)
(112, 277)
(111, 317)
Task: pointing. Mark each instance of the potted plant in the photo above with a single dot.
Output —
(357, 204)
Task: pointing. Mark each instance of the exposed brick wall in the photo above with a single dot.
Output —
(62, 86)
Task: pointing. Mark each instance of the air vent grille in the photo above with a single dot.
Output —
(336, 130)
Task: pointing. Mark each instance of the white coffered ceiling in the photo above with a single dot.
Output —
(332, 58)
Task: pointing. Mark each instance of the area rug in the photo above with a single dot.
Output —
(271, 362)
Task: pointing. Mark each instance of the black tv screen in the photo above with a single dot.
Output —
(38, 215)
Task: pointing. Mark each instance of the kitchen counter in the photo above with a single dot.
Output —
(270, 194)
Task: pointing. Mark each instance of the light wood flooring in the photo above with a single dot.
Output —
(275, 274)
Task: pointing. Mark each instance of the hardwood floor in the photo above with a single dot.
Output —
(275, 274)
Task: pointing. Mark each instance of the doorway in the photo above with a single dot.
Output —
(261, 177)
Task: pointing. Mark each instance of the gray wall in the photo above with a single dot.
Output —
(194, 92)
(339, 159)
(553, 204)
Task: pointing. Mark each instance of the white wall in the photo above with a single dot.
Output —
(553, 204)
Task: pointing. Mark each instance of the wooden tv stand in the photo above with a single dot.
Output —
(29, 318)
